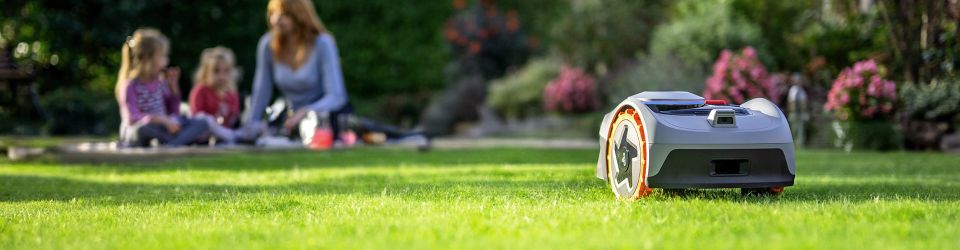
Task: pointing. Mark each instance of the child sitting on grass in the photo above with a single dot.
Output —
(149, 96)
(214, 95)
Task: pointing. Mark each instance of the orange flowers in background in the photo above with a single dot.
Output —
(481, 26)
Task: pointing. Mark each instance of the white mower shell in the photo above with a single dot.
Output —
(678, 140)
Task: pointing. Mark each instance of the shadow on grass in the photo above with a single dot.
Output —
(853, 192)
(23, 188)
(352, 158)
(472, 185)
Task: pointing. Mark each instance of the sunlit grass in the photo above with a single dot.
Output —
(500, 198)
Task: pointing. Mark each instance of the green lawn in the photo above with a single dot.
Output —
(500, 198)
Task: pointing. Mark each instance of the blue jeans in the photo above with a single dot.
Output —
(141, 135)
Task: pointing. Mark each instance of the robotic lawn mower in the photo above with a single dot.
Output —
(678, 140)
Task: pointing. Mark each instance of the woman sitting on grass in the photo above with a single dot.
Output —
(214, 95)
(299, 57)
(149, 96)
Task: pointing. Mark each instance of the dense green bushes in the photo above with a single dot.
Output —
(390, 50)
(395, 55)
(520, 94)
(938, 100)
(930, 110)
(600, 35)
(699, 30)
(76, 111)
(387, 47)
(654, 72)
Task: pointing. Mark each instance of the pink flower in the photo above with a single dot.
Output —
(875, 95)
(749, 52)
(757, 73)
(890, 90)
(733, 93)
(571, 91)
(737, 77)
(868, 112)
(726, 54)
(855, 81)
(865, 66)
(714, 84)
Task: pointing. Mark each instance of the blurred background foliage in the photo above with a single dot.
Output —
(384, 43)
(393, 52)
(699, 29)
(598, 35)
(439, 64)
(519, 95)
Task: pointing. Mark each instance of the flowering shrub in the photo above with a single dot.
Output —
(573, 91)
(520, 93)
(861, 93)
(739, 77)
(486, 42)
(930, 110)
(485, 29)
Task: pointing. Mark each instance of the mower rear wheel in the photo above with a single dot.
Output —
(773, 191)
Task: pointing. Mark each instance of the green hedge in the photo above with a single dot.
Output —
(699, 30)
(387, 47)
(600, 35)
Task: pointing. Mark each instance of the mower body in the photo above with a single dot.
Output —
(678, 140)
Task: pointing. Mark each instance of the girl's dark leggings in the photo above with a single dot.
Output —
(190, 132)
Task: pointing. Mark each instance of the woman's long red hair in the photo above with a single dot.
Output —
(306, 27)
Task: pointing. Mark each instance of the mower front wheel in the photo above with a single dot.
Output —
(626, 156)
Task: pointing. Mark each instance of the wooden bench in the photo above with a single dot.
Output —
(19, 85)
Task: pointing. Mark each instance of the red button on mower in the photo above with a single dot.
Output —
(715, 102)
